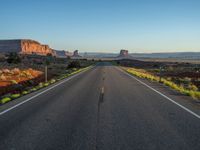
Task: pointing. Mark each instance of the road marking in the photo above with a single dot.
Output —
(102, 90)
(101, 97)
(183, 107)
(31, 98)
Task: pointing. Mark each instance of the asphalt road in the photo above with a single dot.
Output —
(100, 109)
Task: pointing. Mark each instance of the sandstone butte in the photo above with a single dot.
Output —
(24, 46)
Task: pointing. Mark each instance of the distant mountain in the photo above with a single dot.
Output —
(180, 55)
(99, 55)
(183, 55)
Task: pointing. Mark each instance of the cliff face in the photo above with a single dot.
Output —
(34, 47)
(23, 46)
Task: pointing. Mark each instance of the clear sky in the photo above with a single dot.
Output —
(104, 25)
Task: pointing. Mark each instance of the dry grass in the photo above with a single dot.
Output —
(191, 91)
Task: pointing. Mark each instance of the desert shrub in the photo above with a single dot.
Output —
(46, 84)
(13, 82)
(18, 87)
(25, 92)
(26, 74)
(38, 87)
(194, 94)
(31, 82)
(155, 70)
(186, 80)
(191, 91)
(13, 58)
(23, 74)
(170, 68)
(192, 87)
(74, 64)
(5, 100)
(169, 78)
(33, 89)
(14, 96)
(41, 85)
(155, 65)
(52, 81)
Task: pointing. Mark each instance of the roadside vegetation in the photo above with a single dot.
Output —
(21, 75)
(11, 96)
(183, 85)
(13, 58)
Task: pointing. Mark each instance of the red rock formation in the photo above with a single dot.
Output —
(34, 47)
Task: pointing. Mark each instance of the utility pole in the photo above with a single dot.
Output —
(46, 72)
(47, 62)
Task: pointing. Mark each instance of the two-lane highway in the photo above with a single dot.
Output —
(100, 109)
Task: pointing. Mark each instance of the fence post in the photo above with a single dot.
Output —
(160, 74)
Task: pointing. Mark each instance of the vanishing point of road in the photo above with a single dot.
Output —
(101, 109)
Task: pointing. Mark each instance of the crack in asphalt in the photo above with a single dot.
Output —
(100, 102)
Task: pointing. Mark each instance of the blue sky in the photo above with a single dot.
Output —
(104, 25)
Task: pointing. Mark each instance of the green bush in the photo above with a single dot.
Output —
(5, 100)
(46, 84)
(194, 94)
(192, 87)
(25, 92)
(14, 96)
(52, 81)
(37, 87)
(70, 73)
(33, 89)
(41, 85)
(31, 82)
(13, 58)
(74, 64)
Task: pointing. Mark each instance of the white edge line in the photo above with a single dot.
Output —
(31, 98)
(183, 107)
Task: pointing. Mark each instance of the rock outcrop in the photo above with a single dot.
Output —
(76, 54)
(123, 53)
(27, 47)
(34, 47)
(23, 46)
(62, 53)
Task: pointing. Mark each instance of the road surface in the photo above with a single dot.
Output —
(100, 109)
